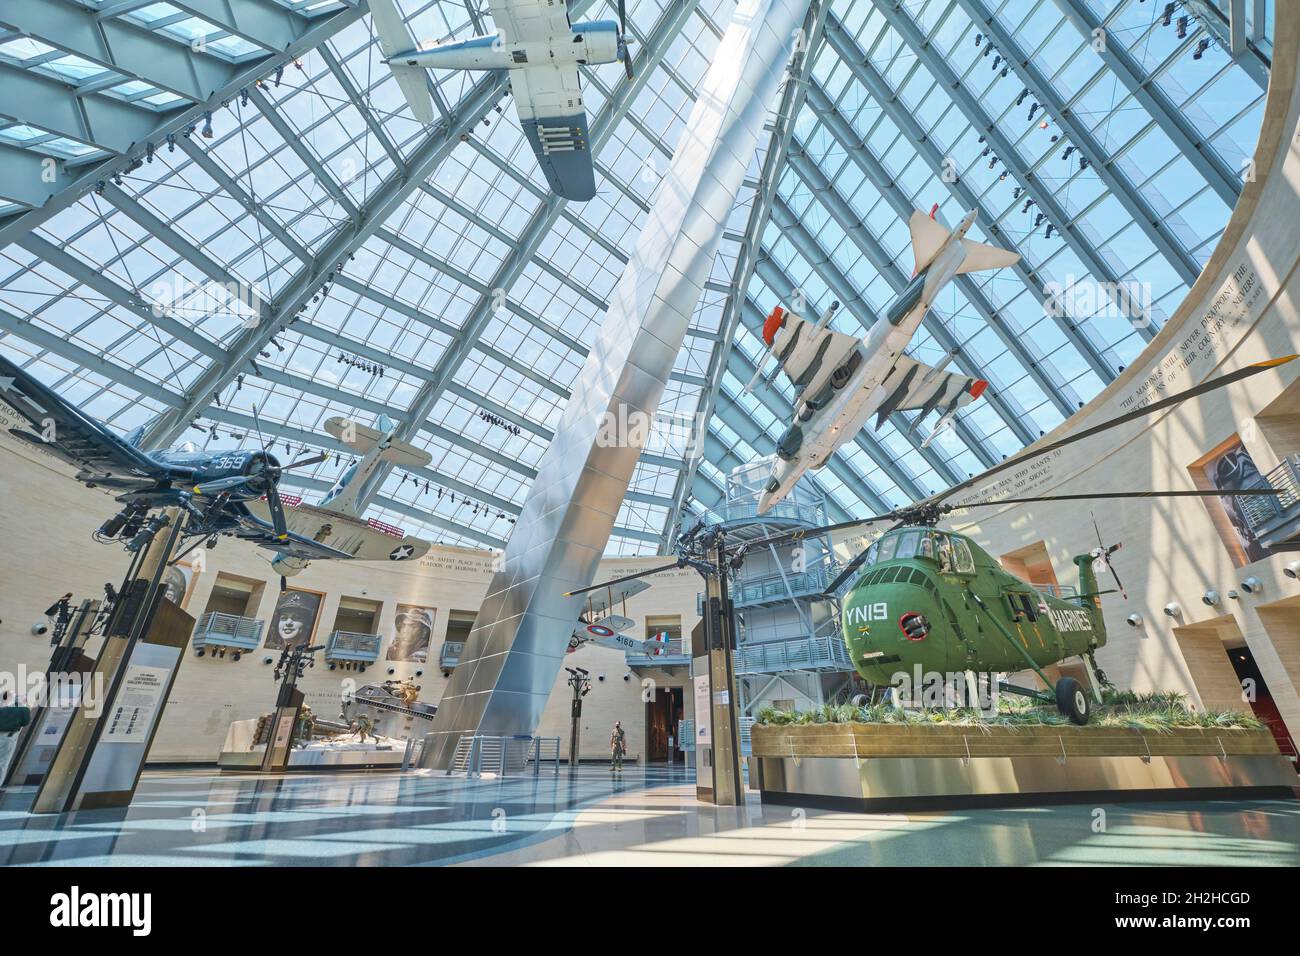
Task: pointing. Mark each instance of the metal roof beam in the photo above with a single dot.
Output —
(859, 152)
(344, 241)
(74, 182)
(665, 31)
(787, 108)
(1041, 88)
(1124, 66)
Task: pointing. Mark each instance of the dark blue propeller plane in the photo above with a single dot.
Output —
(210, 486)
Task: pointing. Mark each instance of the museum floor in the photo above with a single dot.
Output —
(650, 817)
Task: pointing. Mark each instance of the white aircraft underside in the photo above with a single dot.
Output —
(542, 51)
(842, 381)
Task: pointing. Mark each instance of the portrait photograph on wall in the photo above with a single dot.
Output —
(294, 619)
(1231, 466)
(412, 633)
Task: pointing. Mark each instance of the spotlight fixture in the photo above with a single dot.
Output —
(1133, 620)
(207, 126)
(1252, 585)
(1292, 569)
(1173, 609)
(1210, 598)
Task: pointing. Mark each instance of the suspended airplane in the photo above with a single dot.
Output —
(595, 626)
(934, 602)
(542, 51)
(336, 521)
(213, 487)
(840, 381)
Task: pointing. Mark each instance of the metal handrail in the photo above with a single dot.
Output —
(353, 642)
(230, 625)
(803, 653)
(774, 587)
(1260, 509)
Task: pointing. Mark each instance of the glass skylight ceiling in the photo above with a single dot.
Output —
(390, 241)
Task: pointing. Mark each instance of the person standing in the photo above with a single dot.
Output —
(617, 748)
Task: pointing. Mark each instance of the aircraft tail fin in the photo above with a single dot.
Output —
(395, 38)
(134, 436)
(981, 257)
(928, 237)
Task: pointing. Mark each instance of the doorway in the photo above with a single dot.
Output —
(663, 714)
(1263, 705)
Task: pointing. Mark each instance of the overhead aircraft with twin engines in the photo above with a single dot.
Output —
(336, 520)
(840, 380)
(596, 625)
(214, 488)
(542, 51)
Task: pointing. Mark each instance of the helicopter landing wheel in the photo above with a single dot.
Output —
(1072, 700)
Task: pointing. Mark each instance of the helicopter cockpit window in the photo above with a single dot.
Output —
(965, 564)
(885, 548)
(941, 550)
(908, 544)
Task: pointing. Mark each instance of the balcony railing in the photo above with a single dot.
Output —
(352, 646)
(774, 588)
(800, 654)
(218, 629)
(449, 656)
(1264, 512)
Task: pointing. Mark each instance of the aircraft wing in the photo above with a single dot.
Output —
(350, 537)
(913, 385)
(530, 20)
(250, 527)
(807, 356)
(549, 102)
(69, 434)
(598, 602)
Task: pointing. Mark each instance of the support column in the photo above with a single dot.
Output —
(515, 651)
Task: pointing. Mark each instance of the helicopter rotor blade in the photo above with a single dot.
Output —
(1171, 400)
(1107, 495)
(849, 570)
(626, 577)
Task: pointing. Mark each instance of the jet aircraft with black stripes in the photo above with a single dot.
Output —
(840, 380)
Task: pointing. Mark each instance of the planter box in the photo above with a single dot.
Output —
(894, 767)
(948, 740)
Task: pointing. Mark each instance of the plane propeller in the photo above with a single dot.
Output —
(263, 475)
(623, 53)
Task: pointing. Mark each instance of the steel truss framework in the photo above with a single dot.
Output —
(320, 253)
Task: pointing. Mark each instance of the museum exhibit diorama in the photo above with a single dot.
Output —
(615, 432)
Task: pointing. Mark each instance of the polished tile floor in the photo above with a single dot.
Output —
(650, 817)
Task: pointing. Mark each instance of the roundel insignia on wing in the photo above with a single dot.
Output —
(599, 630)
(401, 552)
